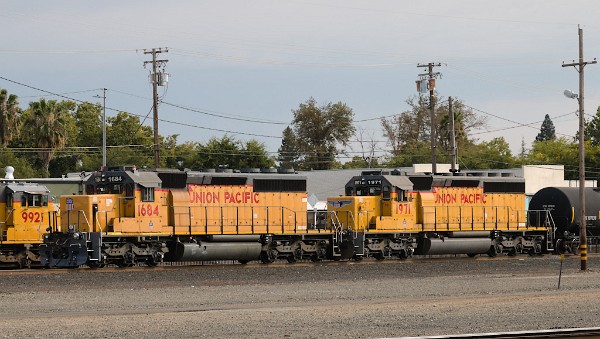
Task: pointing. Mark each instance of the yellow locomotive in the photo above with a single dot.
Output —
(129, 216)
(386, 214)
(26, 211)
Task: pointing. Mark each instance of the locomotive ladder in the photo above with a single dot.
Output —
(88, 238)
(338, 235)
(338, 231)
(549, 222)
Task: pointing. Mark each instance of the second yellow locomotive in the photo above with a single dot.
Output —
(388, 214)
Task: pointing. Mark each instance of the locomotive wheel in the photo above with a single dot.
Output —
(295, 256)
(22, 263)
(151, 262)
(124, 264)
(94, 264)
(315, 258)
(512, 252)
(378, 256)
(492, 252)
(269, 256)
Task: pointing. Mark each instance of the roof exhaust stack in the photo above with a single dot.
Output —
(9, 173)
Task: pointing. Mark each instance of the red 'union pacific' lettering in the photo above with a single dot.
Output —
(473, 198)
(241, 197)
(228, 197)
(205, 197)
(447, 198)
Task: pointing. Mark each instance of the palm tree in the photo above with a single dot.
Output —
(9, 118)
(48, 120)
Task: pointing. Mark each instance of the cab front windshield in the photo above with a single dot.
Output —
(34, 200)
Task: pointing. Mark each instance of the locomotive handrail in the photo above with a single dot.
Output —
(79, 213)
(2, 223)
(220, 220)
(490, 217)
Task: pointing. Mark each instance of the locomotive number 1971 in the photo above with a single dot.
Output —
(403, 209)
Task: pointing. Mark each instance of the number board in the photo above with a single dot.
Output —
(115, 178)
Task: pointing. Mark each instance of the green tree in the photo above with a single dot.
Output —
(219, 153)
(88, 136)
(559, 151)
(289, 153)
(319, 129)
(592, 129)
(51, 121)
(495, 153)
(409, 130)
(409, 133)
(9, 117)
(185, 156)
(22, 165)
(547, 131)
(227, 152)
(255, 155)
(129, 142)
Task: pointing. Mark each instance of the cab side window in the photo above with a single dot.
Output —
(32, 200)
(386, 192)
(148, 194)
(401, 196)
(129, 190)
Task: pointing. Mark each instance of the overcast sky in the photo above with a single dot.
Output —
(250, 63)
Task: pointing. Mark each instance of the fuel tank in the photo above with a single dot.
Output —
(216, 251)
(454, 246)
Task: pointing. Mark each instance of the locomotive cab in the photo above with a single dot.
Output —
(117, 200)
(375, 202)
(28, 210)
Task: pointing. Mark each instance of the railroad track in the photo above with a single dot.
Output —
(572, 333)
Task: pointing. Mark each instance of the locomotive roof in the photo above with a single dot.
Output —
(207, 178)
(28, 188)
(425, 182)
(143, 178)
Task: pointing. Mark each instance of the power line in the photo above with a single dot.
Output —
(224, 116)
(141, 116)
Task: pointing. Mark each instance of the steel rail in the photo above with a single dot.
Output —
(586, 332)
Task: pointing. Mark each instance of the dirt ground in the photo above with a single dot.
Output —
(370, 299)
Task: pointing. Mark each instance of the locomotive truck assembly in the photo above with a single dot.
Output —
(127, 216)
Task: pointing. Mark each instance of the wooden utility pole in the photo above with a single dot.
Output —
(104, 128)
(103, 125)
(430, 77)
(452, 137)
(156, 78)
(579, 66)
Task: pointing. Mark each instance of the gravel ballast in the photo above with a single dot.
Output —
(433, 296)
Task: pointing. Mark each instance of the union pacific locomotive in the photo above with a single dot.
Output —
(26, 211)
(129, 216)
(387, 214)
